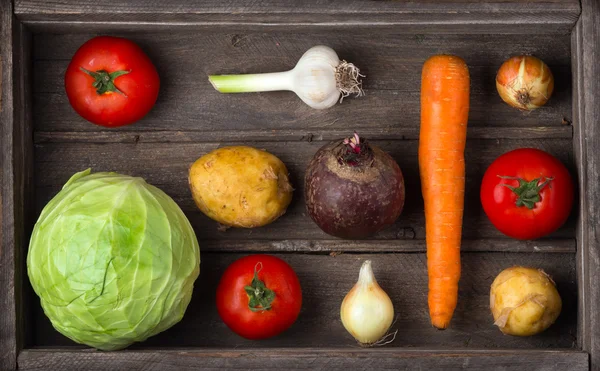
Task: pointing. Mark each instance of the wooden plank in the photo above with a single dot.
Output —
(387, 246)
(25, 199)
(393, 81)
(15, 181)
(402, 133)
(231, 51)
(439, 16)
(513, 25)
(8, 330)
(301, 359)
(166, 166)
(586, 43)
(326, 279)
(402, 74)
(583, 284)
(178, 111)
(395, 68)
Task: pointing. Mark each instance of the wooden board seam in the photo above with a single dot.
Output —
(399, 246)
(122, 136)
(327, 359)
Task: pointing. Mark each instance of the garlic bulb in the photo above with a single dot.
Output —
(367, 311)
(320, 79)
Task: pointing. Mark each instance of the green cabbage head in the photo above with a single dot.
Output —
(113, 260)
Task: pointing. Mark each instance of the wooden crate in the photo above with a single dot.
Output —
(43, 141)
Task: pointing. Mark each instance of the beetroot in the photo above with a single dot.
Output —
(353, 189)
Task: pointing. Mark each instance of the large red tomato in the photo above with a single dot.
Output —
(259, 296)
(111, 82)
(527, 193)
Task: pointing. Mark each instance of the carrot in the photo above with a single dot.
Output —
(444, 115)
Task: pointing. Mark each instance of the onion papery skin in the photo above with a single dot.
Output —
(525, 82)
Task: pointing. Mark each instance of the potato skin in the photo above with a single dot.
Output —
(240, 186)
(524, 301)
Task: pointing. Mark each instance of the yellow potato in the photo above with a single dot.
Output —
(524, 301)
(240, 186)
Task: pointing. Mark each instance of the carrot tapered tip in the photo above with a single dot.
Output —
(440, 324)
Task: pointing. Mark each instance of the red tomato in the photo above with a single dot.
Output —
(259, 296)
(527, 193)
(111, 82)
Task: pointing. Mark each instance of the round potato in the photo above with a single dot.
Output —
(240, 186)
(524, 301)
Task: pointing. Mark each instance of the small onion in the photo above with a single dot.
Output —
(367, 311)
(525, 82)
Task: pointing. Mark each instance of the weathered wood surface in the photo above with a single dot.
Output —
(583, 284)
(406, 244)
(391, 62)
(16, 155)
(289, 135)
(166, 166)
(326, 279)
(8, 331)
(380, 108)
(189, 111)
(586, 93)
(470, 16)
(302, 359)
(190, 118)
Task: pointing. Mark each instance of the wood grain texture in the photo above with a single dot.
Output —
(586, 43)
(188, 40)
(166, 166)
(24, 174)
(282, 110)
(516, 25)
(8, 330)
(187, 101)
(583, 285)
(290, 135)
(302, 359)
(15, 182)
(504, 16)
(222, 51)
(326, 279)
(406, 244)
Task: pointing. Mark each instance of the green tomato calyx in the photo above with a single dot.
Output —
(261, 297)
(104, 82)
(528, 193)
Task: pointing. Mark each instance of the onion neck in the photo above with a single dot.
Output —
(366, 276)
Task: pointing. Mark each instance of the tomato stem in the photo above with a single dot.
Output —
(260, 296)
(528, 193)
(104, 82)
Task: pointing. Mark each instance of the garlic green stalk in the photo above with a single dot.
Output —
(367, 311)
(320, 79)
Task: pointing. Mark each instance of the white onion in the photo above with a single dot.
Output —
(367, 311)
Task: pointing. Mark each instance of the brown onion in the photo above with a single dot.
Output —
(525, 82)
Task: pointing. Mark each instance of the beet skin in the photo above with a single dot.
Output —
(353, 189)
